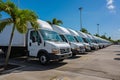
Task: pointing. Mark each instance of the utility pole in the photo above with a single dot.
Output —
(80, 17)
(98, 29)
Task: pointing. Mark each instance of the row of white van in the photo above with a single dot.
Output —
(50, 42)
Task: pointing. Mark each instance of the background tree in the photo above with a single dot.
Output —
(84, 31)
(104, 37)
(19, 18)
(109, 38)
(97, 35)
(55, 22)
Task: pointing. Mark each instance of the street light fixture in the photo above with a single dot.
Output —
(80, 17)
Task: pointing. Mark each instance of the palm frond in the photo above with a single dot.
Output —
(54, 21)
(35, 25)
(59, 22)
(23, 17)
(5, 22)
(49, 22)
(21, 28)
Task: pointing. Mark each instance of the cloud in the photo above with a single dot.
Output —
(110, 5)
(109, 2)
(119, 30)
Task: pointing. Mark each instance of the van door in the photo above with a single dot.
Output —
(34, 43)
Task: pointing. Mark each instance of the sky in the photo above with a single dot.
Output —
(106, 13)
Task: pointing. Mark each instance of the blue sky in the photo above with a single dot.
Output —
(103, 12)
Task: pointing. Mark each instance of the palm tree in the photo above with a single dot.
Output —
(55, 22)
(19, 18)
(84, 30)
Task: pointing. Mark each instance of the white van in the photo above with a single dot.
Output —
(96, 46)
(99, 42)
(67, 37)
(87, 40)
(80, 40)
(44, 43)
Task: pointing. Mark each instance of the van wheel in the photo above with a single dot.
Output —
(43, 58)
(73, 55)
(61, 60)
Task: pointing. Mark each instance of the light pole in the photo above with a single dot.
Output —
(98, 29)
(80, 17)
(18, 3)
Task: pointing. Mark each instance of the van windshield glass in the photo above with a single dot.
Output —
(70, 38)
(89, 40)
(79, 39)
(50, 35)
(85, 40)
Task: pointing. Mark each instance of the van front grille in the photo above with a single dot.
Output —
(81, 47)
(66, 50)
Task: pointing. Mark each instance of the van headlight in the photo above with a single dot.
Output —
(77, 48)
(86, 46)
(55, 51)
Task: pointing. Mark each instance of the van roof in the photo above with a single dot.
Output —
(73, 32)
(90, 36)
(44, 25)
(60, 30)
(82, 34)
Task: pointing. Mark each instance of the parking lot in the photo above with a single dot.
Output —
(103, 64)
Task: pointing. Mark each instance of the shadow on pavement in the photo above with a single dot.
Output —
(118, 54)
(74, 57)
(38, 67)
(117, 59)
(33, 65)
(83, 53)
(117, 51)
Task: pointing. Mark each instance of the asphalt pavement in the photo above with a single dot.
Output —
(103, 64)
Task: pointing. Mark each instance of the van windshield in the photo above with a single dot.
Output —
(85, 40)
(79, 39)
(89, 40)
(50, 35)
(70, 38)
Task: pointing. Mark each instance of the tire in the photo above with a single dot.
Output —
(73, 55)
(61, 60)
(44, 59)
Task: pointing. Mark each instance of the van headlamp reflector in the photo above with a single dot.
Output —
(55, 51)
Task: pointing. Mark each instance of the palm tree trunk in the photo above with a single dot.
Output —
(9, 47)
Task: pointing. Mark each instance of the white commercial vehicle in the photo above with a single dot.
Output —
(87, 40)
(67, 37)
(99, 42)
(43, 43)
(93, 41)
(80, 40)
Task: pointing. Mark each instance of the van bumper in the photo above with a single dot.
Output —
(82, 50)
(59, 56)
(87, 49)
(75, 52)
